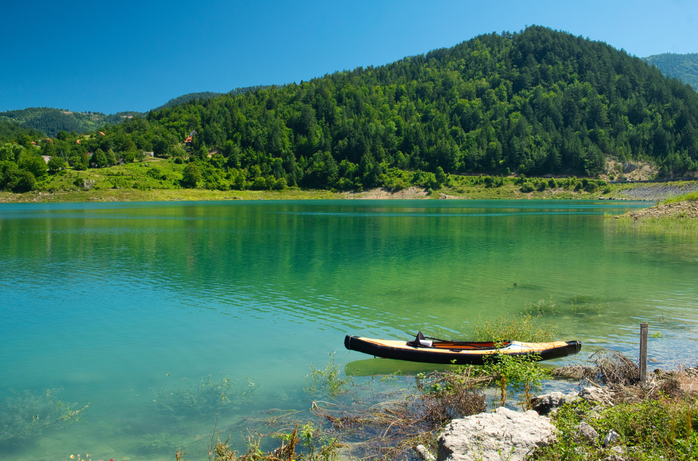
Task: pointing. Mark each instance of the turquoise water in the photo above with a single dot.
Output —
(128, 306)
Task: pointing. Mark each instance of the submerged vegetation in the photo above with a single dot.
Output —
(205, 398)
(26, 415)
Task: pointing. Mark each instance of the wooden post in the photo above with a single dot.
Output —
(643, 353)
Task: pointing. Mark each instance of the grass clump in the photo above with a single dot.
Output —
(517, 327)
(690, 197)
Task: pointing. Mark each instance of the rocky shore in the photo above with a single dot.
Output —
(659, 191)
(515, 435)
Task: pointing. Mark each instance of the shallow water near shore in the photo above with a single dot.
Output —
(131, 307)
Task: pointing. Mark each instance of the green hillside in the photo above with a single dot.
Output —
(51, 121)
(681, 66)
(530, 103)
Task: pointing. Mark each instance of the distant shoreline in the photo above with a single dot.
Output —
(648, 192)
(652, 192)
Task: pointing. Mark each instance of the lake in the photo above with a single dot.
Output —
(143, 310)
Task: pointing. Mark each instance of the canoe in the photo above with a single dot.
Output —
(432, 350)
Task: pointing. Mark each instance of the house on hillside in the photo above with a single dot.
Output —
(190, 138)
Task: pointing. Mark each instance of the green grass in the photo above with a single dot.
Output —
(157, 179)
(690, 197)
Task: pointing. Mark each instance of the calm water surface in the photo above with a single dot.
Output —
(128, 306)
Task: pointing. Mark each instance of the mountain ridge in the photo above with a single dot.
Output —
(681, 66)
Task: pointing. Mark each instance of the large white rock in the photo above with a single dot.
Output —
(502, 435)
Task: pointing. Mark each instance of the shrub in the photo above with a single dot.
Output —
(191, 176)
(280, 184)
(591, 187)
(259, 184)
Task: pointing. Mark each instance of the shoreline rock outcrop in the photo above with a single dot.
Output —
(503, 434)
(512, 435)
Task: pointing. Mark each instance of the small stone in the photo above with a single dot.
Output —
(587, 433)
(611, 438)
(546, 404)
(424, 453)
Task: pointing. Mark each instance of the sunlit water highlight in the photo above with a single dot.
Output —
(112, 303)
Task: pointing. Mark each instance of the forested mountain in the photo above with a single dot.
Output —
(681, 66)
(207, 95)
(535, 102)
(51, 121)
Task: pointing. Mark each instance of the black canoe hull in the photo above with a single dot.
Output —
(427, 355)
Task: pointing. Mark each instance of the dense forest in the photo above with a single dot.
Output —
(681, 66)
(530, 103)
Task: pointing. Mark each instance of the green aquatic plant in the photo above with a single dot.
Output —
(327, 380)
(583, 305)
(27, 414)
(542, 307)
(206, 397)
(517, 327)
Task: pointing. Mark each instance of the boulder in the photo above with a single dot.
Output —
(503, 434)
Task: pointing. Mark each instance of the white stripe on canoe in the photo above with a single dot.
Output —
(515, 346)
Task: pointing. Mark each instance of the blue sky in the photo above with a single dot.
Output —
(111, 56)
